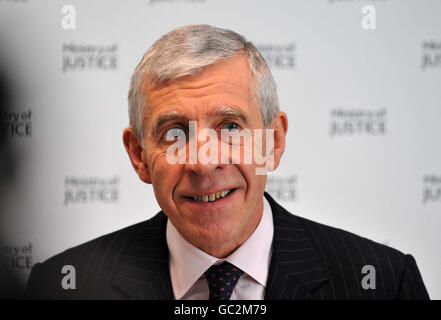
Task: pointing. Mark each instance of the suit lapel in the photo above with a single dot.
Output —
(296, 268)
(142, 271)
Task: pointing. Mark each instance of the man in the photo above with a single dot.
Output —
(218, 236)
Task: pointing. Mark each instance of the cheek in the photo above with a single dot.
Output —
(255, 183)
(164, 175)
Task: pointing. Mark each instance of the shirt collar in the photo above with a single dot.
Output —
(188, 263)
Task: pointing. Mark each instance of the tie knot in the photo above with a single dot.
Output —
(222, 278)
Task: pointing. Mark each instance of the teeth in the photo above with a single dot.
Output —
(213, 196)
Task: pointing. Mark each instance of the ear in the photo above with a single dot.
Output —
(280, 126)
(136, 154)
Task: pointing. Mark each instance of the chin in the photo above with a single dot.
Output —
(215, 236)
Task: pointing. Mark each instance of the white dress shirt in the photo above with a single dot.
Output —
(253, 257)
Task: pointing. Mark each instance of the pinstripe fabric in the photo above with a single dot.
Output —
(313, 261)
(309, 261)
(131, 263)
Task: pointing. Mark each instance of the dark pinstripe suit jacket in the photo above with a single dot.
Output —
(309, 261)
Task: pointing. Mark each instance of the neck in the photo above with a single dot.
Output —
(226, 248)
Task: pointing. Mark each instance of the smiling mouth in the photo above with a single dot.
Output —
(212, 197)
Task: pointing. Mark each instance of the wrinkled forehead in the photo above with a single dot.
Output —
(225, 84)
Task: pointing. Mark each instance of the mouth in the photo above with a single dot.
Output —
(212, 197)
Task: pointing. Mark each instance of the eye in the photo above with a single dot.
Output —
(230, 126)
(174, 133)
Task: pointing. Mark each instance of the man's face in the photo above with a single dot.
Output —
(227, 222)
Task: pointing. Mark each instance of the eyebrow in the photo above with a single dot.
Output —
(222, 112)
(231, 112)
(163, 118)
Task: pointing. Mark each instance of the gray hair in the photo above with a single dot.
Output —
(187, 50)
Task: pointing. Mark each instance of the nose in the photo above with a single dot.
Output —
(203, 156)
(199, 169)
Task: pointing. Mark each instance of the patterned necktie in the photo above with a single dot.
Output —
(222, 278)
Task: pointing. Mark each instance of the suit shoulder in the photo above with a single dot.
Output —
(339, 239)
(354, 264)
(351, 255)
(90, 259)
(344, 257)
(105, 244)
(346, 253)
(337, 235)
(334, 240)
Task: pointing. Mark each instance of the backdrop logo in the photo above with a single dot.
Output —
(79, 57)
(279, 56)
(84, 190)
(16, 256)
(16, 123)
(282, 188)
(350, 122)
(431, 188)
(431, 58)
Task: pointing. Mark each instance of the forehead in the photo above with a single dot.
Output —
(225, 83)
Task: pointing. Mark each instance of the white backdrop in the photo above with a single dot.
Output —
(364, 108)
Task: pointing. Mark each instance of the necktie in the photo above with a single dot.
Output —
(222, 278)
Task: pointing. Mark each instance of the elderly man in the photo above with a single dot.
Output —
(219, 236)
